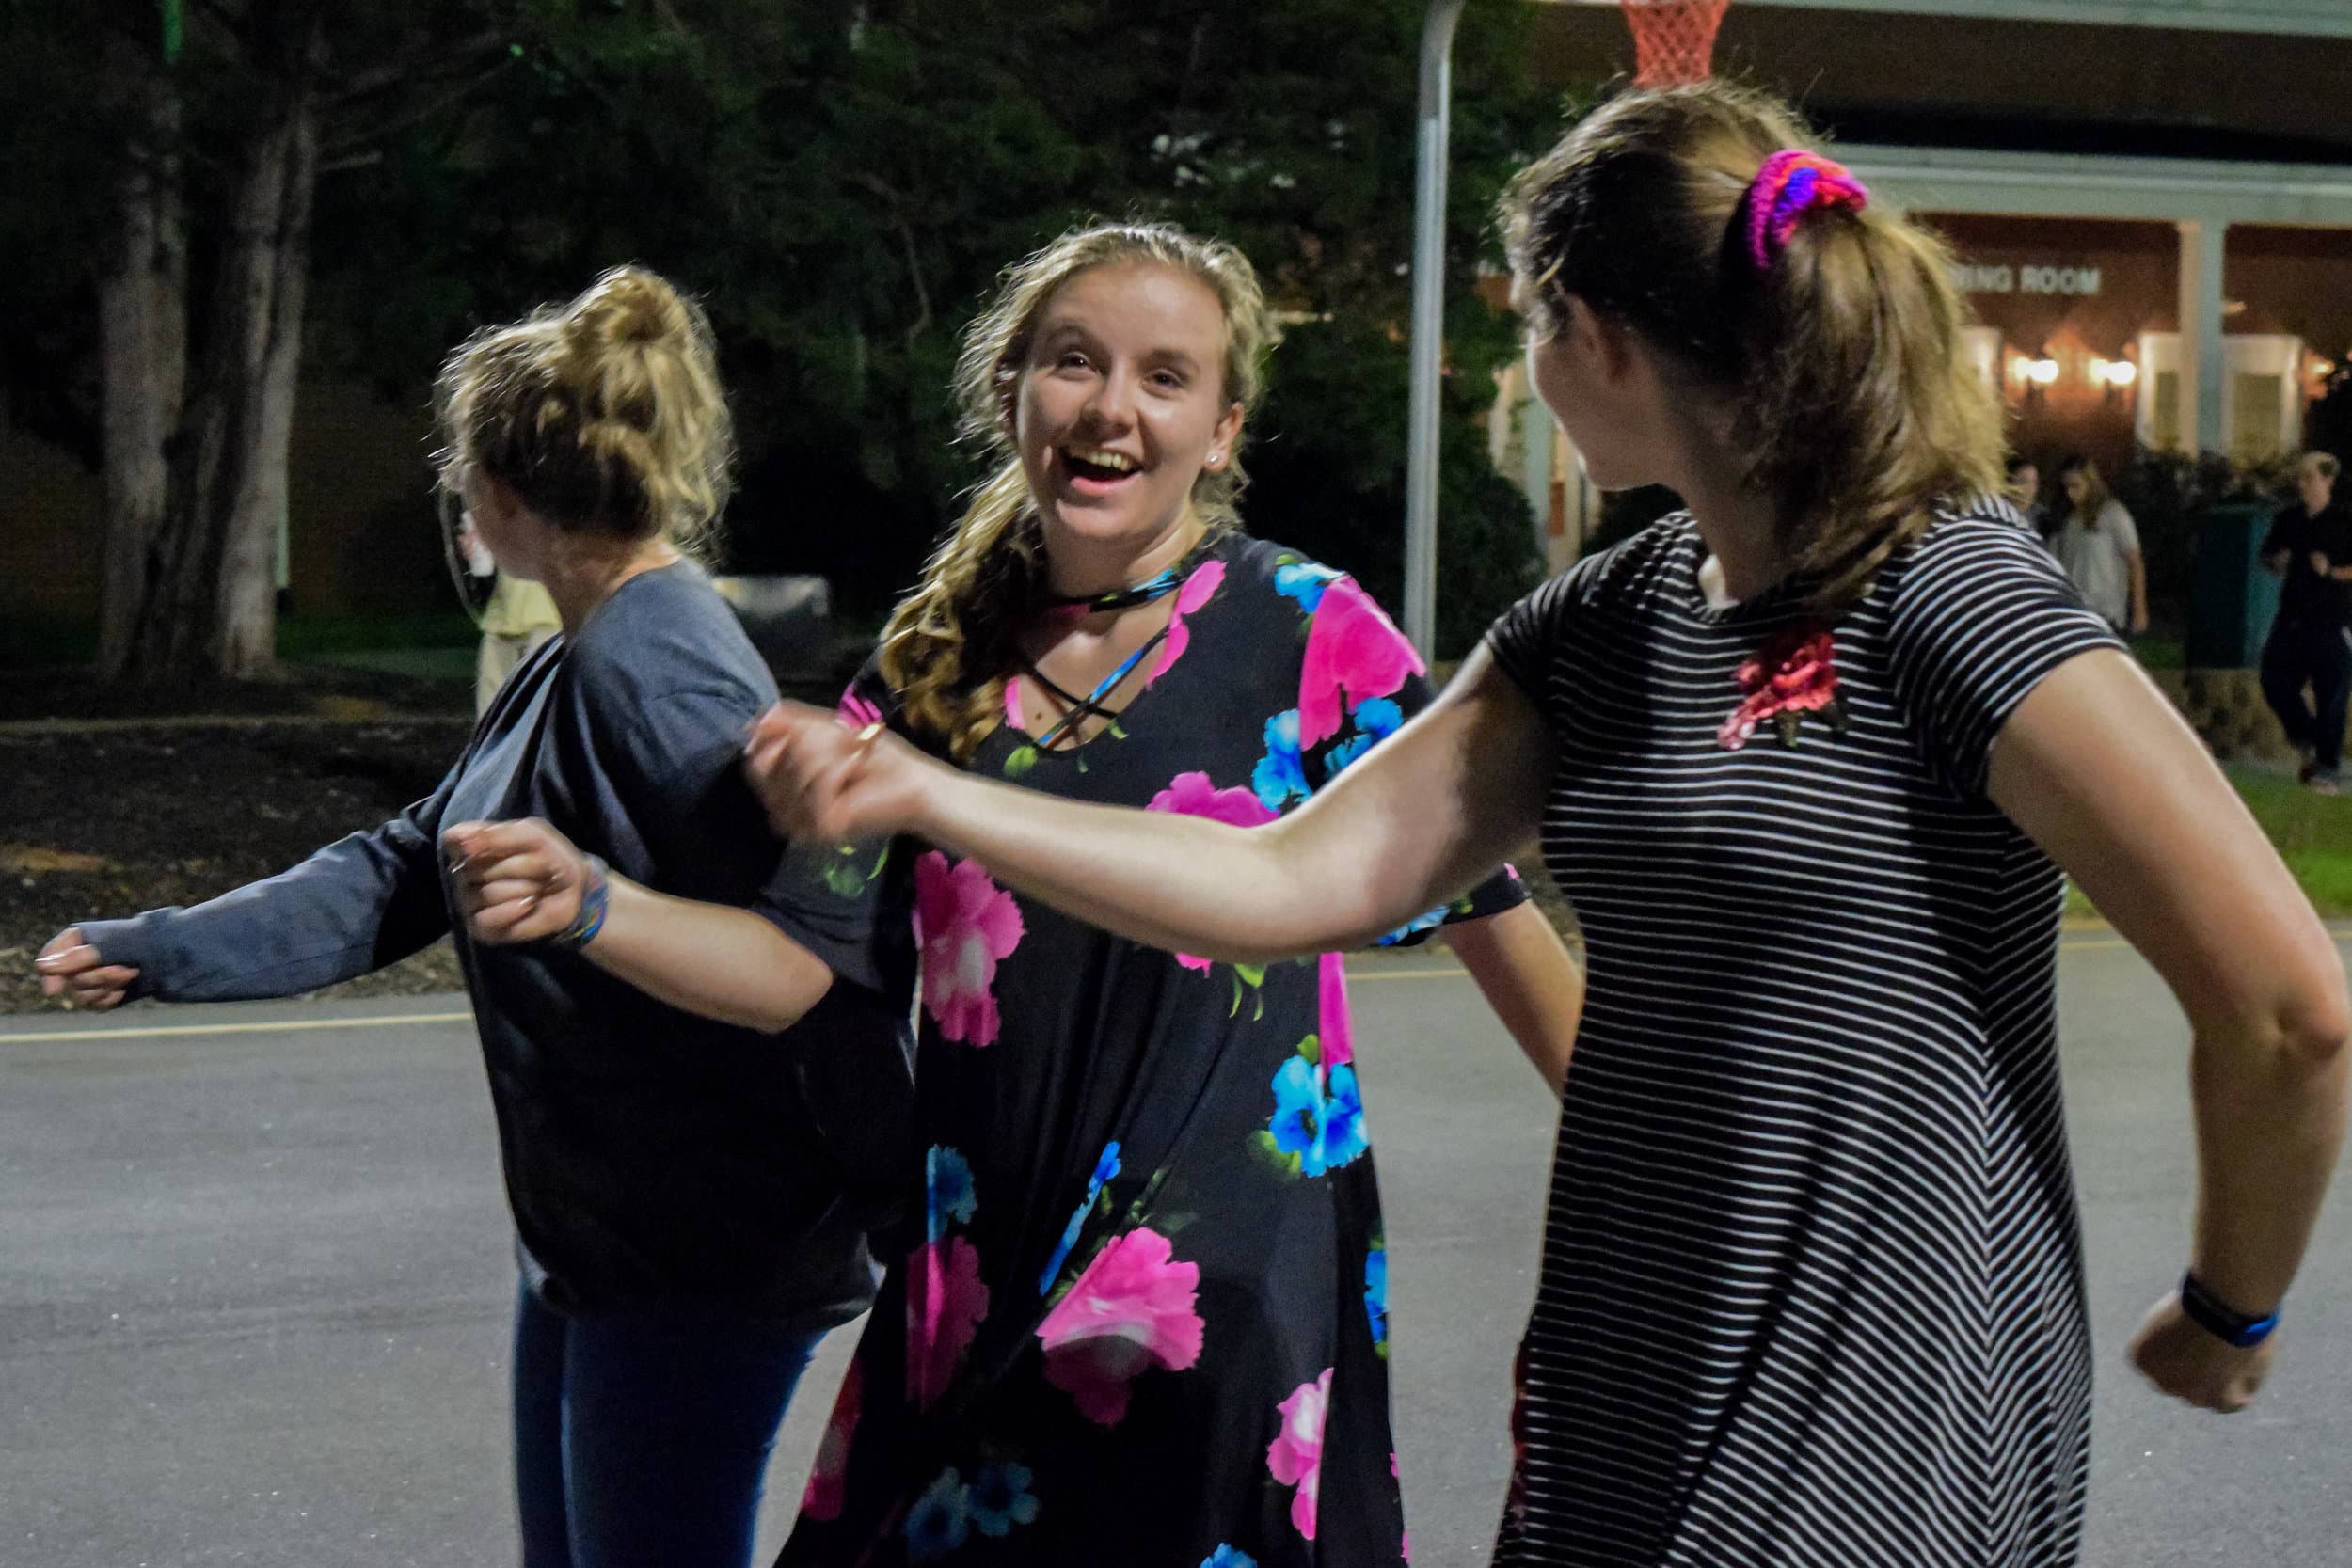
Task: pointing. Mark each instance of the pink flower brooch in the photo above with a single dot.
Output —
(1795, 673)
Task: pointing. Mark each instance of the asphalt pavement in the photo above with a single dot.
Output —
(255, 1281)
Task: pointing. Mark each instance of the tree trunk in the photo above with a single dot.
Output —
(143, 347)
(247, 642)
(214, 600)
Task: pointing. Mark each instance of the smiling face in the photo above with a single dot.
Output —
(1121, 405)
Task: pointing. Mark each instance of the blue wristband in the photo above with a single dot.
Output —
(2220, 1320)
(595, 896)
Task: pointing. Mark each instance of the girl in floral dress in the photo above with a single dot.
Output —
(1141, 1314)
(1806, 757)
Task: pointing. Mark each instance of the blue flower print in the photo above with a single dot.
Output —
(1375, 719)
(1280, 776)
(1377, 1294)
(940, 1521)
(1415, 927)
(1228, 1557)
(1297, 1107)
(1319, 1118)
(1105, 1171)
(1000, 1498)
(950, 1193)
(1344, 1135)
(1305, 582)
(1378, 717)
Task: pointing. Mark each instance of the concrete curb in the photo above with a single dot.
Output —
(14, 728)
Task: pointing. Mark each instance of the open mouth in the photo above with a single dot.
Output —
(1097, 470)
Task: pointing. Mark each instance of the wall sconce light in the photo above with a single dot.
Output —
(2042, 372)
(2115, 374)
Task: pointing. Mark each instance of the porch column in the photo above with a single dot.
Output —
(2204, 368)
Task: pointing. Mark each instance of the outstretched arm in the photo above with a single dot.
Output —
(2101, 772)
(361, 904)
(1420, 818)
(524, 881)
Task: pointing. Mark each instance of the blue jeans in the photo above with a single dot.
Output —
(642, 1438)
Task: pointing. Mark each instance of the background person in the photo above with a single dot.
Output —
(2309, 646)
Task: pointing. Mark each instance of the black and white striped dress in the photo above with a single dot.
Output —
(1812, 1273)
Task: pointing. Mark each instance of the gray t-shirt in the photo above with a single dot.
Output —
(2095, 559)
(652, 1158)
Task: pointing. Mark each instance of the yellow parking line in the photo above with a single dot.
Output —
(287, 1027)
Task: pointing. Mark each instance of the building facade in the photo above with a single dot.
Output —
(2150, 200)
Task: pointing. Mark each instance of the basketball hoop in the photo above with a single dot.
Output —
(1674, 40)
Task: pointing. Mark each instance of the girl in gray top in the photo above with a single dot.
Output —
(688, 1223)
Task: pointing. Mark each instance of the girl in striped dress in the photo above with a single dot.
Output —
(1809, 757)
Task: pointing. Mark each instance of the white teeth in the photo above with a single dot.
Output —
(1117, 461)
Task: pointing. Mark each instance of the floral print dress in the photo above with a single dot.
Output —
(1144, 1321)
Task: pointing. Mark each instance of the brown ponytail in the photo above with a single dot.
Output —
(1857, 409)
(950, 646)
(604, 415)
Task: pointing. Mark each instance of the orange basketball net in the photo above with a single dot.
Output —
(1674, 40)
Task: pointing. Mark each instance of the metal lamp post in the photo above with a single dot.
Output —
(1428, 342)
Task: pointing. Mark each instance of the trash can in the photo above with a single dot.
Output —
(789, 620)
(2231, 598)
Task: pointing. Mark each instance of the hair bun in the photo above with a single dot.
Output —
(603, 414)
(631, 307)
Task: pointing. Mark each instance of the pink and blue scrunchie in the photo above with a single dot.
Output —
(1790, 184)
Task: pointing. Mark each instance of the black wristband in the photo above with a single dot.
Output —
(2220, 1320)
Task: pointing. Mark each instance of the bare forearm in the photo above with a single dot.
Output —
(1184, 883)
(2270, 1122)
(1533, 982)
(709, 959)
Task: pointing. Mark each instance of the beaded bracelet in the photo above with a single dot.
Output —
(595, 897)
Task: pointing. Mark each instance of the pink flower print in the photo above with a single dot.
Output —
(1352, 648)
(855, 711)
(822, 1501)
(1198, 590)
(966, 925)
(1294, 1458)
(1133, 1308)
(1193, 795)
(945, 1301)
(1335, 1032)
